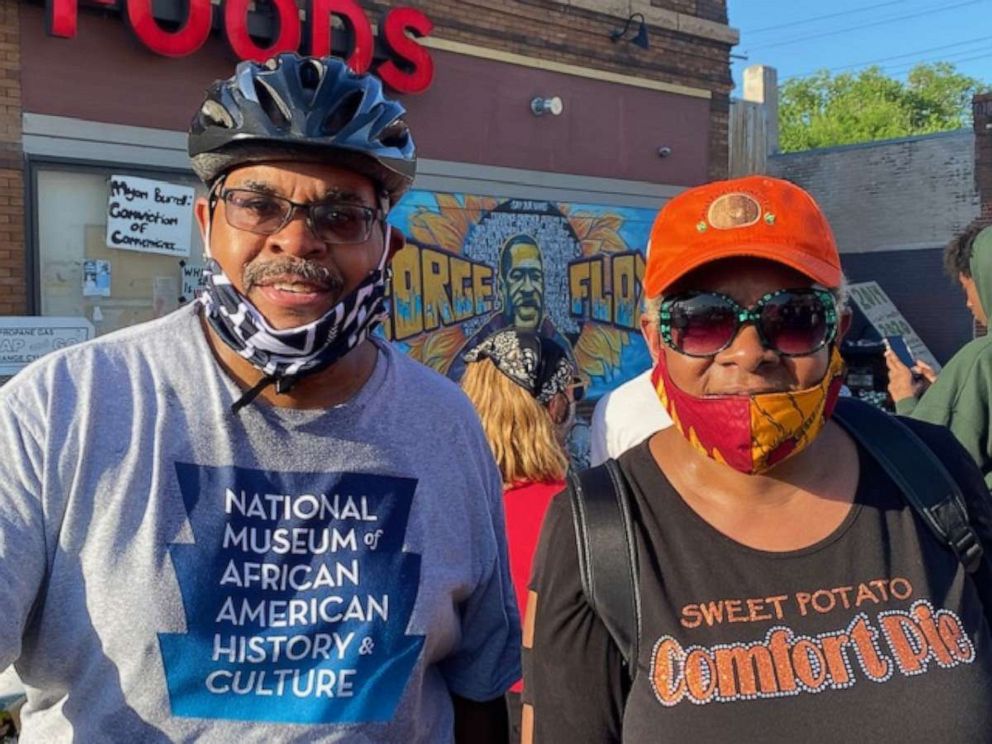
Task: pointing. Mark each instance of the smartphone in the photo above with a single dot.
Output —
(897, 344)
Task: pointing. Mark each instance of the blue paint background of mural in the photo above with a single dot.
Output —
(262, 642)
(467, 215)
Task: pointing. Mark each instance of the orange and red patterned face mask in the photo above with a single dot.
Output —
(755, 432)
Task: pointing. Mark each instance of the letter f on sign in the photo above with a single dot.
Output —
(61, 16)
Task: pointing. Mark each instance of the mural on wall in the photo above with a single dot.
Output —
(474, 265)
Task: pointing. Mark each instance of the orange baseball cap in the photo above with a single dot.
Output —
(753, 216)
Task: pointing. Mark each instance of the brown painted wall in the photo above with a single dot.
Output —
(13, 275)
(105, 74)
(568, 34)
(476, 111)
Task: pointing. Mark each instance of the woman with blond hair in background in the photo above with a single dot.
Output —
(524, 387)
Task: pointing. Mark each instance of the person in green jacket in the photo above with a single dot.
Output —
(960, 398)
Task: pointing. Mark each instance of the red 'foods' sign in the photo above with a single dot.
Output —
(408, 68)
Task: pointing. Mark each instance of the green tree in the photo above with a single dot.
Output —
(823, 110)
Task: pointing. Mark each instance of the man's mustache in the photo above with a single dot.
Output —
(523, 297)
(302, 270)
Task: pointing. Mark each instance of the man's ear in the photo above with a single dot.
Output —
(397, 241)
(201, 210)
(652, 337)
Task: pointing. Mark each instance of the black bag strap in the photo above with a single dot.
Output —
(921, 477)
(608, 553)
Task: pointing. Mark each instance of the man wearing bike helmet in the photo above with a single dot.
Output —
(241, 522)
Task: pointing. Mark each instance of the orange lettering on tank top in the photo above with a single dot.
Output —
(901, 642)
(922, 636)
(700, 675)
(745, 671)
(667, 671)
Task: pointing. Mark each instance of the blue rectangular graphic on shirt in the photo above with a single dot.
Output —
(297, 595)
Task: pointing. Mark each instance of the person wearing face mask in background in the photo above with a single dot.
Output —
(786, 590)
(524, 387)
(960, 398)
(243, 521)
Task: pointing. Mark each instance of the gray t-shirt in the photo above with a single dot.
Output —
(170, 571)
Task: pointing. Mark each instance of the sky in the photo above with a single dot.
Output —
(798, 37)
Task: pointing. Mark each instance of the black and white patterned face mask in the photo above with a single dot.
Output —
(284, 356)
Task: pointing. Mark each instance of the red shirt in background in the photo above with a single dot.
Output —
(525, 506)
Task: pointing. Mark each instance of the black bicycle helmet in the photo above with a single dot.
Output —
(311, 108)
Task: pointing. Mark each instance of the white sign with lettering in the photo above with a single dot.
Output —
(149, 216)
(882, 313)
(24, 339)
(192, 280)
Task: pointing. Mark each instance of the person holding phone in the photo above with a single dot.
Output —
(961, 397)
(908, 377)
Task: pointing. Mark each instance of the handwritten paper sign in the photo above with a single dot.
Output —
(191, 273)
(882, 313)
(24, 339)
(149, 216)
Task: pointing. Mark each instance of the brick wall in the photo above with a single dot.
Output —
(690, 44)
(710, 10)
(982, 109)
(13, 279)
(908, 194)
(893, 207)
(546, 29)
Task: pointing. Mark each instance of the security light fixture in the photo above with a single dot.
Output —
(640, 38)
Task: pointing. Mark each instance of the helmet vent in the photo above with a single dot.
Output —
(306, 107)
(395, 135)
(271, 105)
(311, 73)
(212, 113)
(342, 114)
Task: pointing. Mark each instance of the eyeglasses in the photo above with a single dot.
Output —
(266, 214)
(792, 322)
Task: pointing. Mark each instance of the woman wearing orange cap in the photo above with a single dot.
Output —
(786, 592)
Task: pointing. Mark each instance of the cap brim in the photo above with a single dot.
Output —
(819, 271)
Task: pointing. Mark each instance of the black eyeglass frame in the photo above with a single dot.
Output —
(751, 315)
